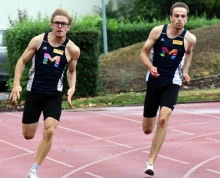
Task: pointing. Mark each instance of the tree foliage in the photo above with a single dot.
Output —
(212, 8)
(22, 16)
(159, 10)
(150, 10)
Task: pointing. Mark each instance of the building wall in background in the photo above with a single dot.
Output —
(9, 8)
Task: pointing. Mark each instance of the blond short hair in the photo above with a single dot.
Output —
(62, 12)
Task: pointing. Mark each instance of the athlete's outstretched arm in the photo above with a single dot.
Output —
(71, 72)
(152, 38)
(26, 56)
(188, 58)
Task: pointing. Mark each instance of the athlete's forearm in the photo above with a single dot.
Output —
(18, 72)
(187, 62)
(71, 78)
(146, 61)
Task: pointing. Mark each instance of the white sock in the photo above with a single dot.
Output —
(35, 166)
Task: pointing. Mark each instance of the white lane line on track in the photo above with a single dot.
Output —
(192, 124)
(187, 133)
(195, 113)
(218, 141)
(123, 118)
(30, 152)
(93, 175)
(59, 162)
(200, 136)
(19, 147)
(13, 114)
(198, 166)
(115, 136)
(175, 160)
(198, 123)
(64, 128)
(119, 144)
(110, 108)
(98, 161)
(15, 157)
(139, 122)
(210, 170)
(75, 131)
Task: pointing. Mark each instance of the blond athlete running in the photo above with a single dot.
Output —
(51, 53)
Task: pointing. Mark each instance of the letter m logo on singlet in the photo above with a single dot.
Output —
(48, 57)
(165, 51)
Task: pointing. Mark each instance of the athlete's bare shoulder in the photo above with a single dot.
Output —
(156, 31)
(36, 41)
(38, 37)
(72, 47)
(191, 38)
(73, 50)
(158, 28)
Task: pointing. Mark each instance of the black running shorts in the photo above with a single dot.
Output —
(159, 95)
(49, 104)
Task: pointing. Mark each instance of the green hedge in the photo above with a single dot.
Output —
(124, 34)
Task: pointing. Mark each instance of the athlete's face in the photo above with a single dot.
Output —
(179, 17)
(60, 26)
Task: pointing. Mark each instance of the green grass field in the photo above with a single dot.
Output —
(133, 98)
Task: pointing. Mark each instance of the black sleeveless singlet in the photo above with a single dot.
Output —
(48, 66)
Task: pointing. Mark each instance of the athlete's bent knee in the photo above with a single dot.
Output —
(48, 133)
(148, 125)
(147, 130)
(162, 122)
(28, 135)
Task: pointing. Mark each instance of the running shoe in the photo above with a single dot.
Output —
(149, 169)
(32, 174)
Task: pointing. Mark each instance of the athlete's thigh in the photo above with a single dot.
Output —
(152, 100)
(148, 124)
(165, 112)
(53, 106)
(33, 107)
(29, 130)
(170, 96)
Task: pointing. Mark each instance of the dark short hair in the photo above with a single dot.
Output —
(62, 12)
(179, 4)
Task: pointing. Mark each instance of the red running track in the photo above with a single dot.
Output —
(109, 143)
